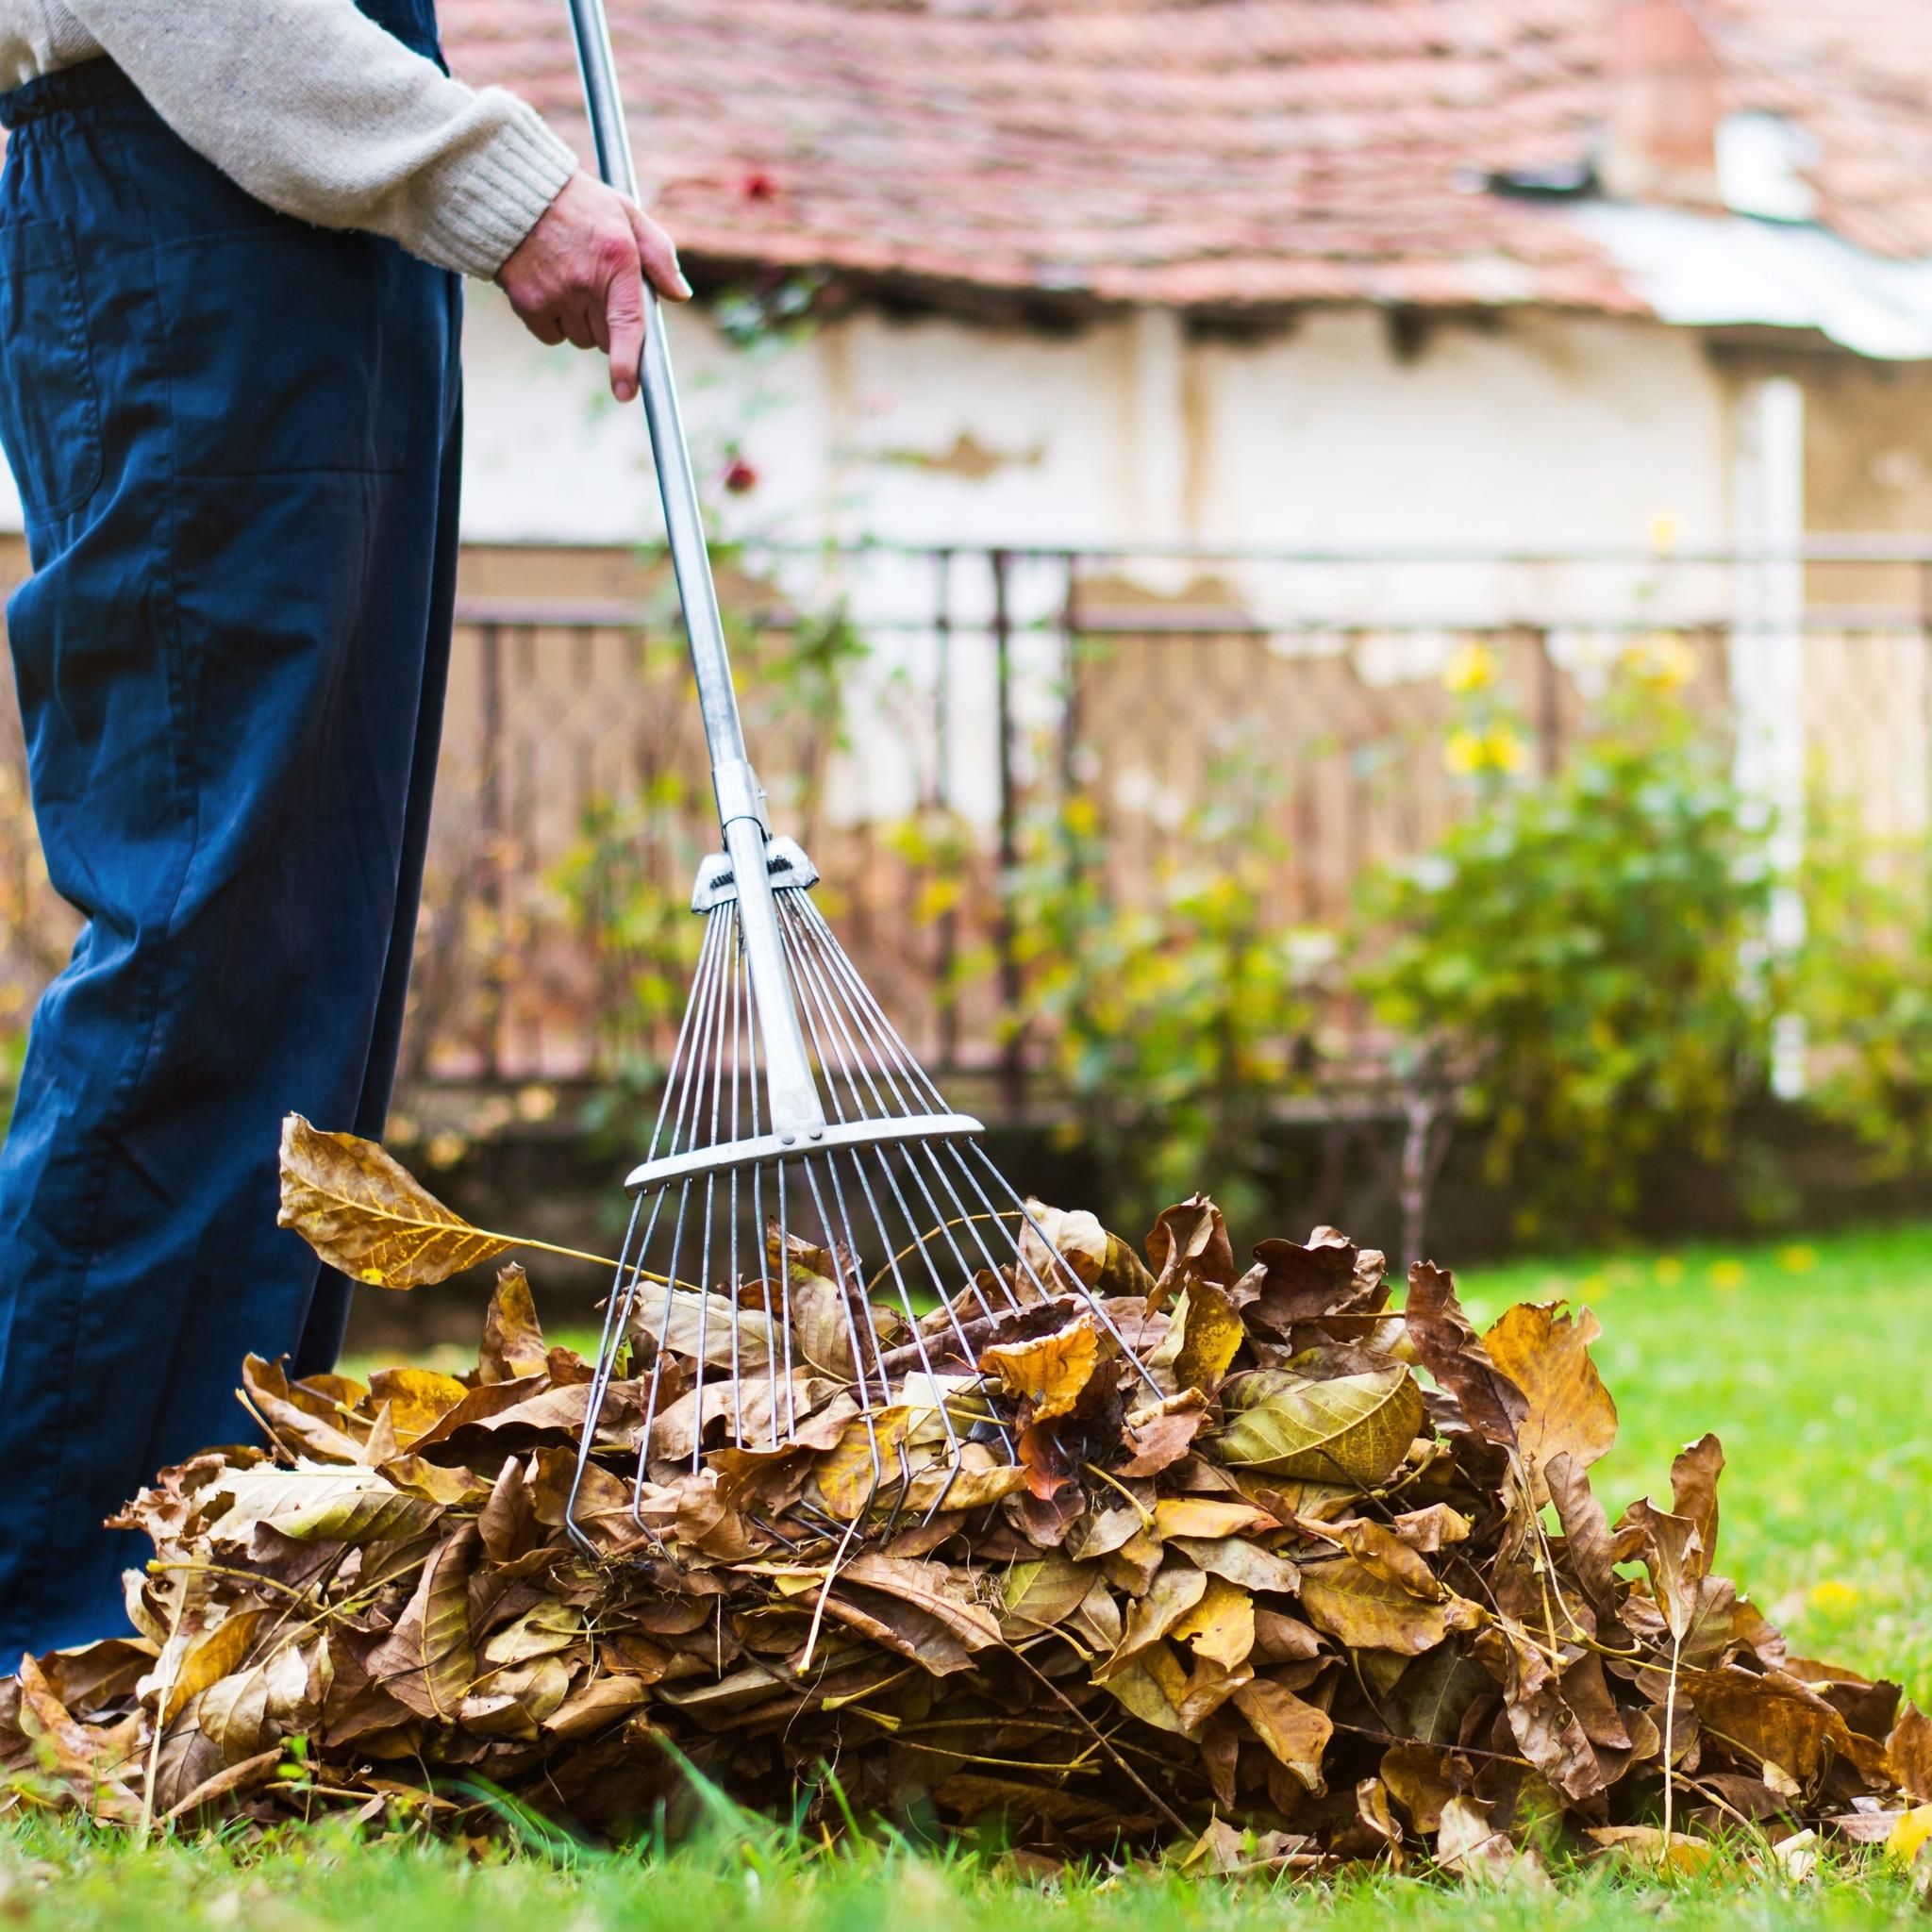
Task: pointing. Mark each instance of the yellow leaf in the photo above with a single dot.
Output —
(1909, 1835)
(208, 1658)
(1210, 1335)
(1050, 1372)
(364, 1213)
(418, 1400)
(1221, 1628)
(865, 1462)
(1203, 1516)
(1169, 1598)
(1547, 1355)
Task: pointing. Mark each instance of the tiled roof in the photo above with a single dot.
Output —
(1209, 154)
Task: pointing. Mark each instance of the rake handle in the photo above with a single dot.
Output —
(796, 1111)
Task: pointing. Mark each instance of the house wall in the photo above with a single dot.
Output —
(1527, 432)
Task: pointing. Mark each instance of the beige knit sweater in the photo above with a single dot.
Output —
(316, 111)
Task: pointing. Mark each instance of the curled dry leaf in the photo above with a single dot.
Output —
(1051, 1372)
(1491, 1403)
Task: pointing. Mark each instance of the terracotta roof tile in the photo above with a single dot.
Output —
(1204, 153)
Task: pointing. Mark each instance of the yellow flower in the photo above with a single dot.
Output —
(1472, 669)
(1080, 815)
(1727, 1274)
(1670, 1271)
(535, 1103)
(1831, 1596)
(1662, 660)
(1798, 1259)
(1465, 753)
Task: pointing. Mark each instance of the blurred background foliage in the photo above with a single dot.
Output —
(1573, 982)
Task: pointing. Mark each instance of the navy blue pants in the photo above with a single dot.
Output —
(237, 440)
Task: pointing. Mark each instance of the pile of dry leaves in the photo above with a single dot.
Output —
(1343, 1594)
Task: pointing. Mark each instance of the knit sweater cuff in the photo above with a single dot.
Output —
(482, 200)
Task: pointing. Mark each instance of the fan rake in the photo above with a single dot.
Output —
(820, 1251)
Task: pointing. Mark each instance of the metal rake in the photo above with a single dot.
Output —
(803, 1162)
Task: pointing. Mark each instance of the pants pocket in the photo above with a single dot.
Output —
(276, 355)
(50, 409)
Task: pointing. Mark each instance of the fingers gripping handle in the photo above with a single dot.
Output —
(793, 1092)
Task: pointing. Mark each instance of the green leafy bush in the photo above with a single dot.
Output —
(1863, 988)
(1572, 950)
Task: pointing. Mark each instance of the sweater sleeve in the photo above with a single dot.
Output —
(316, 111)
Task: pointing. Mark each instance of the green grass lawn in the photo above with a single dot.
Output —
(1810, 1360)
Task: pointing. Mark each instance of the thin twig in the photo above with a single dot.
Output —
(1086, 1723)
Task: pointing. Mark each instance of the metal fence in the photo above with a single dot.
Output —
(919, 714)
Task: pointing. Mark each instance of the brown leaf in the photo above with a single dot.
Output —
(1418, 1783)
(428, 1662)
(364, 1213)
(1491, 1403)
(1301, 1282)
(1432, 1529)
(225, 1783)
(512, 1337)
(1051, 1371)
(1100, 1261)
(1592, 1550)
(1240, 1560)
(1188, 1242)
(266, 1390)
(939, 1622)
(1908, 1755)
(205, 1659)
(1675, 1560)
(1160, 1437)
(320, 1503)
(1377, 1548)
(1039, 1595)
(1775, 1719)
(1295, 1732)
(1693, 1490)
(1548, 1731)
(1568, 1409)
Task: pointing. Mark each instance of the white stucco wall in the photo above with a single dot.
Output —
(1539, 432)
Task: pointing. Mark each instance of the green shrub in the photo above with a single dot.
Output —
(1571, 953)
(1863, 987)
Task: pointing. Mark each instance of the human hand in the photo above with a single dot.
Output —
(578, 277)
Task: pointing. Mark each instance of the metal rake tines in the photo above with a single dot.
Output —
(833, 1289)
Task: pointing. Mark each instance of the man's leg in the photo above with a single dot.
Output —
(231, 664)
